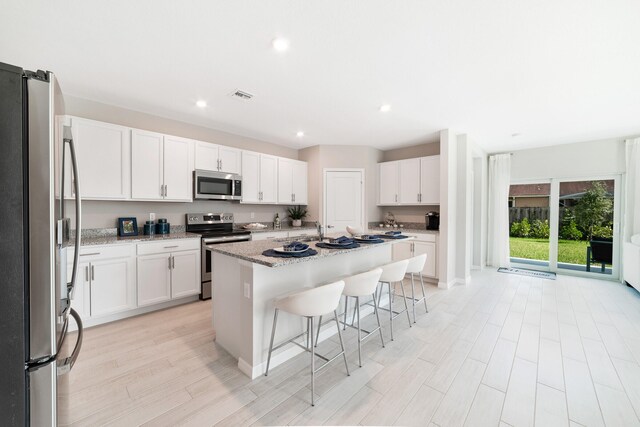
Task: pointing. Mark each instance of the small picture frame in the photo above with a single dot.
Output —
(127, 227)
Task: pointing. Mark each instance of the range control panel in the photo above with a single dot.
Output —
(209, 218)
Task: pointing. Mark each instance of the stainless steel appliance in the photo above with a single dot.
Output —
(211, 185)
(432, 219)
(35, 291)
(215, 228)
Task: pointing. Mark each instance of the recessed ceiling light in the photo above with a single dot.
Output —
(201, 103)
(299, 134)
(280, 44)
(384, 108)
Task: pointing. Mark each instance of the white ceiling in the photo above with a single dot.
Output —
(554, 71)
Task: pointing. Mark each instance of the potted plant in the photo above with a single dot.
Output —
(296, 214)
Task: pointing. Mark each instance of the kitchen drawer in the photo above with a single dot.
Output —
(90, 253)
(167, 246)
(424, 237)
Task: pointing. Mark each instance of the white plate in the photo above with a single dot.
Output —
(281, 250)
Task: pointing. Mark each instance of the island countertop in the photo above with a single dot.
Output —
(252, 251)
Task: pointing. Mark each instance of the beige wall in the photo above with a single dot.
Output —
(136, 119)
(334, 156)
(421, 150)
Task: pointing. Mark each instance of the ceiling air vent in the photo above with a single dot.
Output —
(239, 94)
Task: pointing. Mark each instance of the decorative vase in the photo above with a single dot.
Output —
(296, 222)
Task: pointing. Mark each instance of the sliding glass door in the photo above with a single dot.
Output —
(566, 225)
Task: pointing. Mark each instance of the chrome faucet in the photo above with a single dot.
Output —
(319, 229)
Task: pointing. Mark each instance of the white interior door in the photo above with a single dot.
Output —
(343, 198)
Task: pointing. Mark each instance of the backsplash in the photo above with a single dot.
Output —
(104, 214)
(408, 214)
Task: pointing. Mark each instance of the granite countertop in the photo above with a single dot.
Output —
(270, 228)
(115, 240)
(405, 230)
(252, 251)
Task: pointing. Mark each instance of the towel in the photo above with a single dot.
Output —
(272, 253)
(296, 246)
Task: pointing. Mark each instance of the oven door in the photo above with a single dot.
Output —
(215, 185)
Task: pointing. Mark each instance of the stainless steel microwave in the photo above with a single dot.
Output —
(211, 185)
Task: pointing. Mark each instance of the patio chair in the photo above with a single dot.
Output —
(600, 251)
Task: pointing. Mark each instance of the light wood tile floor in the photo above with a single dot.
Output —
(504, 350)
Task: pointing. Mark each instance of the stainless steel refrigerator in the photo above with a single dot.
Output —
(34, 235)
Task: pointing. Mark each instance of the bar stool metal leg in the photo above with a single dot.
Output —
(359, 334)
(413, 298)
(346, 308)
(390, 311)
(318, 333)
(313, 362)
(406, 307)
(375, 309)
(344, 353)
(273, 334)
(424, 295)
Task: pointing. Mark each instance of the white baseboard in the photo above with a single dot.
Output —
(446, 285)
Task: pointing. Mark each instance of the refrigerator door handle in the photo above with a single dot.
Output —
(68, 139)
(67, 364)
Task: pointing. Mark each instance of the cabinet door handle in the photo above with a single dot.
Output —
(166, 190)
(173, 263)
(220, 164)
(86, 273)
(93, 273)
(169, 260)
(92, 253)
(396, 198)
(169, 247)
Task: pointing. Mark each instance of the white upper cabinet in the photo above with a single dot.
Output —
(147, 160)
(218, 158)
(430, 180)
(178, 168)
(268, 179)
(230, 159)
(292, 182)
(259, 178)
(104, 161)
(161, 167)
(410, 182)
(250, 177)
(388, 183)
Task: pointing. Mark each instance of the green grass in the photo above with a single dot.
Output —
(569, 251)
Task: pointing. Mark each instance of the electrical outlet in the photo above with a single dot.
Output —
(247, 290)
(253, 215)
(152, 216)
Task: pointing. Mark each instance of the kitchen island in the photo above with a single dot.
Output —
(245, 284)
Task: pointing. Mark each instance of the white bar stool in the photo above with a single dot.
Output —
(356, 286)
(310, 303)
(416, 265)
(394, 273)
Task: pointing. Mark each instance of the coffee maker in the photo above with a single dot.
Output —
(432, 219)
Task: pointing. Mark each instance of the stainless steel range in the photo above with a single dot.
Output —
(215, 228)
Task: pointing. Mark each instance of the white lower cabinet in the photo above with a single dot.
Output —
(172, 272)
(154, 279)
(423, 244)
(112, 286)
(106, 281)
(185, 274)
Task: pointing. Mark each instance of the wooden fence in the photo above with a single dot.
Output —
(518, 214)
